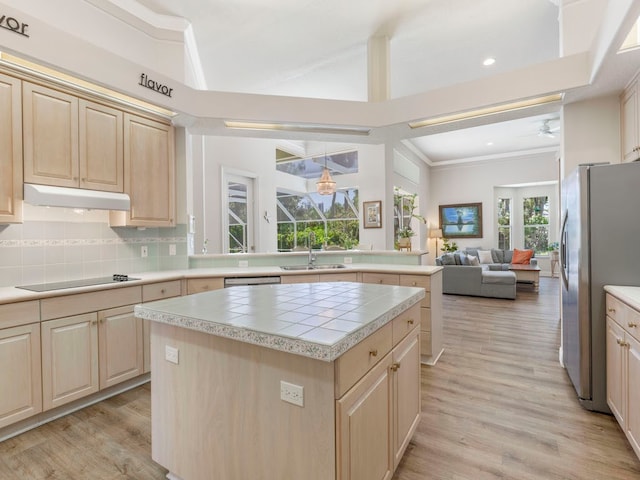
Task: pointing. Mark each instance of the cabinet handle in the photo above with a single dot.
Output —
(611, 309)
(94, 322)
(395, 366)
(414, 283)
(622, 343)
(162, 291)
(632, 324)
(410, 321)
(374, 352)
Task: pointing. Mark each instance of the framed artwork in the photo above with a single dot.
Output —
(463, 220)
(372, 214)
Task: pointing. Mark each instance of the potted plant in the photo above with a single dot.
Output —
(448, 246)
(405, 206)
(404, 236)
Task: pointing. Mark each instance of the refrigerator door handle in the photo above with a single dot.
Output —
(563, 250)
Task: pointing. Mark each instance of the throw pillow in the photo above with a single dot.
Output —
(464, 259)
(498, 255)
(521, 257)
(485, 256)
(447, 259)
(474, 261)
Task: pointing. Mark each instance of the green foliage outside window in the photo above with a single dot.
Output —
(536, 223)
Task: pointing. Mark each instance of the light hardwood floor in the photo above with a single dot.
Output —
(496, 406)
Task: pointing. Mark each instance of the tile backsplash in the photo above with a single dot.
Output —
(57, 244)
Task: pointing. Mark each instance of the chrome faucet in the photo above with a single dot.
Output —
(311, 239)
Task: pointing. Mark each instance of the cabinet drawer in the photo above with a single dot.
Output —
(421, 281)
(197, 285)
(338, 277)
(404, 323)
(616, 309)
(354, 363)
(68, 305)
(381, 278)
(21, 313)
(632, 323)
(158, 291)
(305, 278)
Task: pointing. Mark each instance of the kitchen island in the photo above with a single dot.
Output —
(315, 381)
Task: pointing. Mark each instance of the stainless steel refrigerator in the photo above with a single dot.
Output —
(599, 245)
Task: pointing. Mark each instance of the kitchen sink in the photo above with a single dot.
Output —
(313, 267)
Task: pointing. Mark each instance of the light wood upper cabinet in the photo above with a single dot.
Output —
(71, 142)
(101, 150)
(20, 377)
(10, 150)
(149, 174)
(50, 136)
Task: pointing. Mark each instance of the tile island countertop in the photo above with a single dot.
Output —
(316, 320)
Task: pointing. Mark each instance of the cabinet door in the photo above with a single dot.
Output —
(120, 346)
(363, 427)
(630, 123)
(101, 148)
(615, 370)
(50, 136)
(10, 150)
(406, 392)
(149, 174)
(632, 426)
(69, 359)
(20, 379)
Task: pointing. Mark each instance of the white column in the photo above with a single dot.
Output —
(378, 76)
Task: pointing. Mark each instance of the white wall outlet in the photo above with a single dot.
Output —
(348, 260)
(243, 263)
(292, 393)
(171, 354)
(144, 251)
(172, 249)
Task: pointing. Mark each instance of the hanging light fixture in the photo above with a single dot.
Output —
(326, 185)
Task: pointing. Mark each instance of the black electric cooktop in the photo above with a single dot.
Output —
(86, 282)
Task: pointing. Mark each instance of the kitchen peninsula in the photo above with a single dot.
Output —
(312, 380)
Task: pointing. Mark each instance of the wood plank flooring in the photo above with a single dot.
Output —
(496, 406)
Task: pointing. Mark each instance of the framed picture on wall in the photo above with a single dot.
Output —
(372, 214)
(463, 220)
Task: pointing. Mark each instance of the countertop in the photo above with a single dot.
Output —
(629, 295)
(13, 294)
(316, 320)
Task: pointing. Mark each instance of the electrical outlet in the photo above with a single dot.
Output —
(243, 263)
(172, 249)
(171, 354)
(144, 251)
(291, 393)
(348, 260)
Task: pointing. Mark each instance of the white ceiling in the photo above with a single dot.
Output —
(310, 48)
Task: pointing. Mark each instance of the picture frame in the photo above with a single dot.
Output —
(462, 220)
(372, 214)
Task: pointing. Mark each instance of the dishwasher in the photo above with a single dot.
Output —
(242, 281)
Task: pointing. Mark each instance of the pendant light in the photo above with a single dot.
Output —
(326, 185)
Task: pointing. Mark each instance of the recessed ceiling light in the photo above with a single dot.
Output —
(489, 61)
(489, 144)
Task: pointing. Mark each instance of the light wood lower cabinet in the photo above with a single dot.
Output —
(69, 359)
(377, 417)
(120, 346)
(623, 367)
(363, 427)
(20, 377)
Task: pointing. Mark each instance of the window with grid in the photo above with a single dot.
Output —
(535, 212)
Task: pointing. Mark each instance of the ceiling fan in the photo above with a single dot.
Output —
(546, 130)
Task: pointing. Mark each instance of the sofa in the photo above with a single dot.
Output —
(481, 272)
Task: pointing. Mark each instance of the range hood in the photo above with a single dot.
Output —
(49, 196)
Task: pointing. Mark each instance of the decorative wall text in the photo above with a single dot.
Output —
(145, 81)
